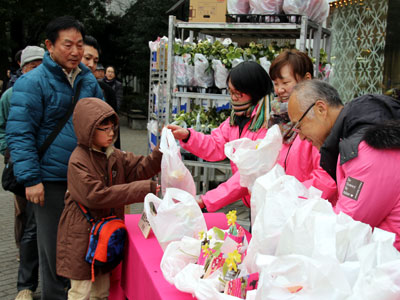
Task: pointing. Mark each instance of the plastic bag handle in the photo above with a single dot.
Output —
(167, 142)
(177, 194)
(150, 198)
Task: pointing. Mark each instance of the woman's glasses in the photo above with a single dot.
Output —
(295, 128)
(108, 130)
(235, 94)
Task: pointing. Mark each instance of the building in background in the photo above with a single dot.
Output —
(365, 49)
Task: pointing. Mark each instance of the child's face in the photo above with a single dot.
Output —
(103, 136)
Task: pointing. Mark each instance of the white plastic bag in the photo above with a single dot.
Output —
(178, 215)
(351, 235)
(379, 276)
(299, 277)
(316, 10)
(236, 61)
(189, 69)
(174, 173)
(238, 7)
(220, 73)
(260, 188)
(203, 76)
(255, 158)
(380, 283)
(209, 289)
(311, 231)
(265, 63)
(152, 130)
(180, 76)
(267, 7)
(282, 198)
(178, 255)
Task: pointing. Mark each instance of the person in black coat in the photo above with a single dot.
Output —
(90, 59)
(116, 85)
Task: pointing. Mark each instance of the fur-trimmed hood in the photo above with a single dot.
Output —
(384, 136)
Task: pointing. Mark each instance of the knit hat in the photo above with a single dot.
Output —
(31, 53)
(100, 67)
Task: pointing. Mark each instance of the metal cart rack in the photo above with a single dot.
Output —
(312, 37)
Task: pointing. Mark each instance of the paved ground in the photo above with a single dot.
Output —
(132, 140)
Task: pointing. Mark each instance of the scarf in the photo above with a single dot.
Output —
(280, 116)
(259, 119)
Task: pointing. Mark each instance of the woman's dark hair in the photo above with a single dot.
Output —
(18, 55)
(299, 61)
(111, 66)
(250, 78)
(63, 23)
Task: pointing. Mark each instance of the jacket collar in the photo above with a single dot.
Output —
(346, 134)
(330, 149)
(57, 70)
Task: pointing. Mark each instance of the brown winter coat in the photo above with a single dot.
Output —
(88, 184)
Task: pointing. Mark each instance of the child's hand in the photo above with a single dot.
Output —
(178, 132)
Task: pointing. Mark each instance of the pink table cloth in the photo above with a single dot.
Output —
(141, 277)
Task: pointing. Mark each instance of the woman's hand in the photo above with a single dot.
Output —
(178, 132)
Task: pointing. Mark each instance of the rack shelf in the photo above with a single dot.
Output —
(258, 30)
(218, 97)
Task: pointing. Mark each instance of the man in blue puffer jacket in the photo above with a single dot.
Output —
(40, 99)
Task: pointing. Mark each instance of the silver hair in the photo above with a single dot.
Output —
(309, 91)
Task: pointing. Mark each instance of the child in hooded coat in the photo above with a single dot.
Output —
(101, 178)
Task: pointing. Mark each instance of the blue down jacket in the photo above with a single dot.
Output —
(40, 99)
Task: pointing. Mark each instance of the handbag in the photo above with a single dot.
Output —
(106, 241)
(8, 179)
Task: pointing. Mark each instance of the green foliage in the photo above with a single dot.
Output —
(220, 234)
(224, 270)
(227, 52)
(217, 248)
(201, 120)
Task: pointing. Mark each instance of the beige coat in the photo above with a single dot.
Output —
(89, 173)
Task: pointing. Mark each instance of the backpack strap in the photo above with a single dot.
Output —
(61, 122)
(86, 213)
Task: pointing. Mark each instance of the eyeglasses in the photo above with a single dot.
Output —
(295, 128)
(235, 94)
(108, 130)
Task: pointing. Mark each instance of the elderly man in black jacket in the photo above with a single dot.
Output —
(360, 148)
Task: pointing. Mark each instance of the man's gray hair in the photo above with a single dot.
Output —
(309, 91)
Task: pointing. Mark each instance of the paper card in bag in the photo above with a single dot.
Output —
(144, 225)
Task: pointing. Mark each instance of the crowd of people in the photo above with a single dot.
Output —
(50, 84)
(350, 152)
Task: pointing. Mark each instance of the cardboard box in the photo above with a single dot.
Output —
(207, 11)
(155, 59)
